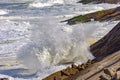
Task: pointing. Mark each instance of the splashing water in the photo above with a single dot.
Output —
(54, 44)
(51, 43)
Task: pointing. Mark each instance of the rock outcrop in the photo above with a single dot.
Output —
(105, 61)
(108, 44)
(66, 74)
(105, 69)
(104, 15)
(99, 1)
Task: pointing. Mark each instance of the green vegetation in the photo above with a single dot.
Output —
(87, 17)
(86, 1)
(81, 18)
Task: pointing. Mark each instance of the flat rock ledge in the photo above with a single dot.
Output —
(106, 69)
(103, 15)
(106, 65)
(99, 1)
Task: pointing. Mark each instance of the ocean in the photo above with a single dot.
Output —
(38, 43)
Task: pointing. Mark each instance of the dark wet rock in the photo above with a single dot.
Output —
(69, 71)
(108, 45)
(103, 15)
(4, 79)
(89, 63)
(118, 69)
(99, 1)
(66, 71)
(80, 68)
(111, 72)
(74, 66)
(104, 77)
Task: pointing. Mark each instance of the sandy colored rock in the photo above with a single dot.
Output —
(109, 44)
(111, 72)
(53, 76)
(117, 76)
(104, 77)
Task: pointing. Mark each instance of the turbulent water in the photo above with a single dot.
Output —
(32, 31)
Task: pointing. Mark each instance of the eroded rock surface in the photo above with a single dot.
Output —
(67, 73)
(104, 15)
(108, 44)
(106, 66)
(100, 1)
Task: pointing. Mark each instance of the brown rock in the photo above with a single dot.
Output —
(53, 76)
(66, 71)
(73, 71)
(69, 71)
(117, 76)
(74, 66)
(83, 66)
(103, 15)
(56, 78)
(105, 77)
(80, 68)
(111, 72)
(89, 63)
(100, 1)
(63, 77)
(109, 44)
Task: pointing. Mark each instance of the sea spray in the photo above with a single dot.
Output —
(55, 44)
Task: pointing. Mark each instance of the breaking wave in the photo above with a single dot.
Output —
(3, 12)
(52, 44)
(44, 3)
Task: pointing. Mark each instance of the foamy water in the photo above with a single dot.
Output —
(42, 43)
(3, 12)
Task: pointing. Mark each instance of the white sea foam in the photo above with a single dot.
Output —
(52, 43)
(3, 12)
(40, 4)
(44, 3)
(13, 35)
(55, 44)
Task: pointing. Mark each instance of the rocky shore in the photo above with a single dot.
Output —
(99, 1)
(107, 57)
(104, 15)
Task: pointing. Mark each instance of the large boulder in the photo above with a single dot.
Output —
(104, 15)
(100, 1)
